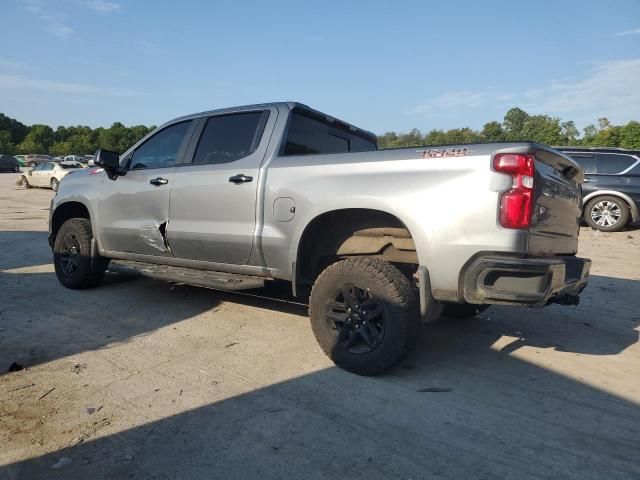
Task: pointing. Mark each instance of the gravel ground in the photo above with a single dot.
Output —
(145, 379)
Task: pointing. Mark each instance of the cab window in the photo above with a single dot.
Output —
(227, 138)
(161, 150)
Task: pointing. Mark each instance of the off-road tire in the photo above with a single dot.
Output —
(55, 184)
(397, 297)
(462, 310)
(87, 273)
(621, 205)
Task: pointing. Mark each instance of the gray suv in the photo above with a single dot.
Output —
(611, 186)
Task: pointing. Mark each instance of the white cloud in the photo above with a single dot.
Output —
(21, 82)
(101, 6)
(454, 100)
(635, 31)
(149, 48)
(608, 89)
(53, 21)
(59, 30)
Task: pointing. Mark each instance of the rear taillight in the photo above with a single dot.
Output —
(516, 205)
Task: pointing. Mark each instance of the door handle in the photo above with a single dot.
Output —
(240, 178)
(588, 180)
(158, 181)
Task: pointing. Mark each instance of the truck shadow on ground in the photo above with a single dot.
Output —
(458, 407)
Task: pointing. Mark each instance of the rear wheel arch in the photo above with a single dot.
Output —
(336, 234)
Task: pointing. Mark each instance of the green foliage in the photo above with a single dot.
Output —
(16, 137)
(493, 132)
(630, 135)
(518, 125)
(542, 129)
(514, 121)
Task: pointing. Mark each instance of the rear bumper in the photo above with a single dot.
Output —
(533, 282)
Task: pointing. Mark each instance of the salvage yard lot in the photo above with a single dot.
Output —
(145, 379)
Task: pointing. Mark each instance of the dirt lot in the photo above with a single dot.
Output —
(144, 379)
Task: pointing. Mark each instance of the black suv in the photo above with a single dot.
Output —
(611, 189)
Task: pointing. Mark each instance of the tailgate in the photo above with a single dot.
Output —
(555, 223)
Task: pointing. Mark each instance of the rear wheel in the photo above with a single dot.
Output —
(364, 314)
(606, 213)
(16, 168)
(462, 310)
(72, 255)
(55, 184)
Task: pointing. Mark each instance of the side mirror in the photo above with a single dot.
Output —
(110, 161)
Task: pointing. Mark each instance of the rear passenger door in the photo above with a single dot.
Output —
(213, 196)
(587, 161)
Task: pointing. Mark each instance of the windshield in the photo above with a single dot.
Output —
(69, 165)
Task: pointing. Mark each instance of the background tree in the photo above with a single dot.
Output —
(16, 137)
(569, 133)
(514, 121)
(493, 132)
(542, 129)
(38, 140)
(630, 135)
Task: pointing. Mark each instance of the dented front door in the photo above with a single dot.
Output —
(134, 212)
(134, 208)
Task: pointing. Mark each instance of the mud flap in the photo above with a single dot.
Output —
(430, 309)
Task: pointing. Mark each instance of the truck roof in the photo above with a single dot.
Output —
(289, 105)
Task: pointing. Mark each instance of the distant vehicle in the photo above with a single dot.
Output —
(89, 160)
(34, 159)
(611, 186)
(59, 158)
(49, 174)
(21, 160)
(9, 163)
(75, 158)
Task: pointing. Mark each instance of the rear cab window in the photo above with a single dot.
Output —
(309, 133)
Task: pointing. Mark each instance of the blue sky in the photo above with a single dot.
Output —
(383, 65)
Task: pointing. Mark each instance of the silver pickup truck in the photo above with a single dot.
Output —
(381, 240)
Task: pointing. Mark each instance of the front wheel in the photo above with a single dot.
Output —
(606, 213)
(364, 314)
(55, 184)
(72, 259)
(25, 182)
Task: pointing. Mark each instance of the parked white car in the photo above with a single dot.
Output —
(49, 174)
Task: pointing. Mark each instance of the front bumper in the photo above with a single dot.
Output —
(530, 281)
